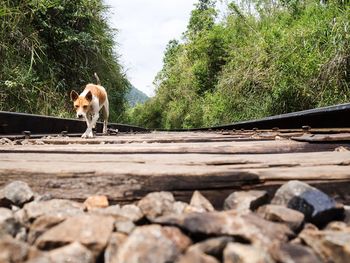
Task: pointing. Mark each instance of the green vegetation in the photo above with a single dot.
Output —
(48, 47)
(262, 58)
(135, 96)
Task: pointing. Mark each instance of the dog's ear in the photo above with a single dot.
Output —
(74, 95)
(89, 96)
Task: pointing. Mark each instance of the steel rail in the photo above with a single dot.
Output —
(337, 116)
(23, 124)
(332, 117)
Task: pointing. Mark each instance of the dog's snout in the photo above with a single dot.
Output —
(80, 115)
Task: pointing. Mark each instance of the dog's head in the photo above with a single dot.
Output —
(82, 104)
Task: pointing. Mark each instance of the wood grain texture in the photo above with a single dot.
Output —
(126, 167)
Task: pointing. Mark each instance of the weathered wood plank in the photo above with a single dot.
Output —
(237, 161)
(247, 147)
(126, 180)
(127, 167)
(342, 137)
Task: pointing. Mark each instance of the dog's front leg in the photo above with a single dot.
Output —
(91, 125)
(88, 133)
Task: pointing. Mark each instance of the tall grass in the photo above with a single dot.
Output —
(271, 58)
(48, 47)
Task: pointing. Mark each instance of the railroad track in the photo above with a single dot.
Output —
(19, 125)
(328, 119)
(47, 153)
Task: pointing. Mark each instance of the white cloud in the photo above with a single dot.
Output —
(145, 27)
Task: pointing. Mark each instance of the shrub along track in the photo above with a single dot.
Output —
(312, 146)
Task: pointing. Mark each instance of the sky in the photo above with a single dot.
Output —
(144, 29)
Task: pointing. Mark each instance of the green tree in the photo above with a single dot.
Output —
(263, 58)
(48, 47)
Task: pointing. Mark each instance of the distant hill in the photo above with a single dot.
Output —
(135, 96)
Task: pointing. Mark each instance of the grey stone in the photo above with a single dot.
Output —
(329, 245)
(347, 214)
(126, 212)
(180, 207)
(157, 204)
(71, 253)
(212, 246)
(249, 226)
(317, 207)
(74, 252)
(6, 141)
(111, 252)
(153, 244)
(241, 253)
(92, 231)
(18, 193)
(8, 223)
(4, 202)
(294, 219)
(295, 253)
(246, 200)
(22, 234)
(13, 251)
(131, 212)
(44, 197)
(54, 207)
(195, 256)
(124, 226)
(41, 225)
(199, 202)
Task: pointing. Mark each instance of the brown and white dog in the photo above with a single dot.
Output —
(88, 105)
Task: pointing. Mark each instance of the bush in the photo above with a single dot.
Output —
(277, 58)
(48, 48)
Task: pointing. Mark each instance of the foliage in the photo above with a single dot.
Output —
(262, 58)
(48, 47)
(135, 96)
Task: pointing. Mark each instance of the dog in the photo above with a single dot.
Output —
(88, 105)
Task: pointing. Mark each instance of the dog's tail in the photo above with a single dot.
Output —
(97, 79)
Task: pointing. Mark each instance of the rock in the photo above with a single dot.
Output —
(21, 234)
(124, 226)
(44, 197)
(18, 193)
(347, 214)
(293, 253)
(131, 212)
(196, 256)
(199, 202)
(317, 207)
(277, 213)
(157, 204)
(55, 207)
(337, 226)
(4, 202)
(74, 252)
(8, 223)
(111, 252)
(212, 246)
(153, 244)
(246, 200)
(6, 141)
(330, 245)
(96, 201)
(241, 253)
(126, 212)
(91, 231)
(180, 207)
(12, 250)
(249, 227)
(41, 225)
